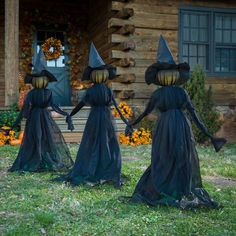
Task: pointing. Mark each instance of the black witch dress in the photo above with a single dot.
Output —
(173, 178)
(98, 157)
(43, 147)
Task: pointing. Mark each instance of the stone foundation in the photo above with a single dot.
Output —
(228, 129)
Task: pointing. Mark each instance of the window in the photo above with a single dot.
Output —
(208, 38)
(225, 43)
(42, 36)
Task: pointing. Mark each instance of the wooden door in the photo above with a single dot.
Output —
(61, 89)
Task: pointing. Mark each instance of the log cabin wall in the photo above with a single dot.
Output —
(141, 29)
(2, 82)
(150, 19)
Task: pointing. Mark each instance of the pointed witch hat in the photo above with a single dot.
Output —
(165, 61)
(164, 54)
(97, 63)
(40, 69)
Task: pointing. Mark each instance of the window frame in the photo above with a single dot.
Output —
(64, 43)
(212, 11)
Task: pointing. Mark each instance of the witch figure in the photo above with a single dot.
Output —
(98, 159)
(43, 147)
(173, 178)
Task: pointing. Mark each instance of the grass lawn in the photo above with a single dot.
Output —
(32, 205)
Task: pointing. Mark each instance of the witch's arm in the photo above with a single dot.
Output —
(217, 142)
(77, 108)
(197, 120)
(150, 106)
(82, 103)
(23, 113)
(119, 111)
(57, 109)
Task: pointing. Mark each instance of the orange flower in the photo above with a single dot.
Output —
(6, 137)
(125, 110)
(139, 137)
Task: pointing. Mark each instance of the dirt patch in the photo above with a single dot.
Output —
(220, 181)
(131, 158)
(9, 214)
(2, 172)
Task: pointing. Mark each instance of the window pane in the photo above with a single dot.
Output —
(232, 53)
(185, 50)
(203, 21)
(51, 63)
(217, 64)
(234, 22)
(202, 61)
(218, 22)
(186, 34)
(201, 50)
(218, 53)
(193, 21)
(185, 59)
(225, 60)
(234, 36)
(38, 48)
(194, 35)
(218, 36)
(186, 20)
(232, 64)
(224, 64)
(60, 61)
(193, 50)
(203, 35)
(225, 53)
(226, 36)
(226, 22)
(192, 62)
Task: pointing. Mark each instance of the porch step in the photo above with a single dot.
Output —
(79, 122)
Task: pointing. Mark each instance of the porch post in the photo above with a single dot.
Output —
(11, 51)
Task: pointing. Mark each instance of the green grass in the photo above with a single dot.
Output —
(30, 204)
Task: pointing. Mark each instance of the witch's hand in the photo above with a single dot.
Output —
(70, 123)
(129, 130)
(218, 143)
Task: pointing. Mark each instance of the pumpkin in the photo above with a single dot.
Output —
(99, 76)
(167, 77)
(1, 143)
(15, 142)
(40, 82)
(21, 135)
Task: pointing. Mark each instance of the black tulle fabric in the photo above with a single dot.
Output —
(173, 178)
(43, 147)
(98, 158)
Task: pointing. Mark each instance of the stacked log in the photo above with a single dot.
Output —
(119, 24)
(134, 30)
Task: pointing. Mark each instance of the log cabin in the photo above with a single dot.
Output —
(126, 33)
